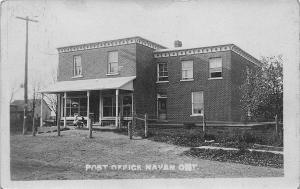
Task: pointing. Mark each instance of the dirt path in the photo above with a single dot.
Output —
(47, 156)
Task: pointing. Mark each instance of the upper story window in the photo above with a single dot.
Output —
(197, 103)
(187, 69)
(162, 72)
(113, 65)
(77, 68)
(215, 68)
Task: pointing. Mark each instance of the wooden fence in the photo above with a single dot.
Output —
(211, 125)
(132, 127)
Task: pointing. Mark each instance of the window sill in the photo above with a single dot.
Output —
(187, 80)
(213, 78)
(108, 118)
(111, 74)
(196, 115)
(77, 76)
(162, 81)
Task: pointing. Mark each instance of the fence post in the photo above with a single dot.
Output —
(130, 126)
(90, 127)
(146, 126)
(203, 125)
(33, 126)
(119, 121)
(276, 124)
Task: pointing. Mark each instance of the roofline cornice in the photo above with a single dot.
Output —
(110, 43)
(204, 50)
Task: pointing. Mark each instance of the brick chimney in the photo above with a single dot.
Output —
(177, 44)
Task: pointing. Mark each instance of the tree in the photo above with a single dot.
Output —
(51, 99)
(15, 86)
(262, 91)
(34, 86)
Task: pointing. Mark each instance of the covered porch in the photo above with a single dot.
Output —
(101, 102)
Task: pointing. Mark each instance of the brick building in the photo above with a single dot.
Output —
(112, 79)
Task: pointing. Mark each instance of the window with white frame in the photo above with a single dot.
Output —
(109, 106)
(162, 72)
(113, 65)
(75, 105)
(77, 68)
(187, 69)
(197, 103)
(215, 67)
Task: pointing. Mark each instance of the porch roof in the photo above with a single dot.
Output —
(125, 83)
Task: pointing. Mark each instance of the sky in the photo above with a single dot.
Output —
(260, 27)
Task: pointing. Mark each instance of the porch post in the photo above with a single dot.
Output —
(88, 108)
(132, 111)
(157, 116)
(58, 113)
(41, 119)
(100, 107)
(117, 106)
(65, 109)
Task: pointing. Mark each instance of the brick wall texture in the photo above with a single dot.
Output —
(221, 96)
(144, 85)
(217, 92)
(94, 63)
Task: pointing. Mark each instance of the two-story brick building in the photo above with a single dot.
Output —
(134, 75)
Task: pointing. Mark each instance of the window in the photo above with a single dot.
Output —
(109, 106)
(215, 67)
(113, 65)
(187, 69)
(162, 72)
(197, 103)
(76, 105)
(77, 68)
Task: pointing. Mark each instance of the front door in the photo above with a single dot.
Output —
(162, 108)
(126, 106)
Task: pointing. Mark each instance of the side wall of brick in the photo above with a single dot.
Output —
(144, 84)
(238, 76)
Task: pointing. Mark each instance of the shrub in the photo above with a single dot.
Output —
(209, 137)
(248, 138)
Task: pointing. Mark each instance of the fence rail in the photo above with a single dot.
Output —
(152, 120)
(133, 127)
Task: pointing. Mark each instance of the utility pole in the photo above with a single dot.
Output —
(33, 112)
(26, 72)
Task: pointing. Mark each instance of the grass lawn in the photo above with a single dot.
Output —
(241, 156)
(49, 157)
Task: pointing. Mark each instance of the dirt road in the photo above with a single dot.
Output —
(47, 156)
